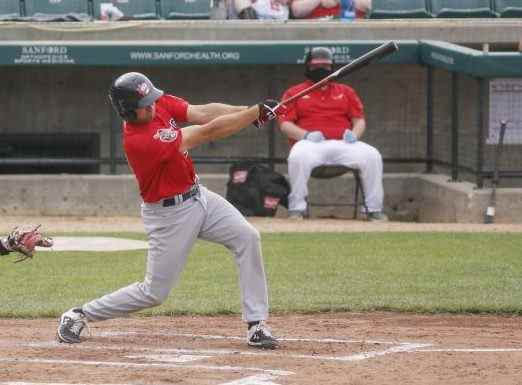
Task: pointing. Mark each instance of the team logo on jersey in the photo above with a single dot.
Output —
(143, 89)
(166, 135)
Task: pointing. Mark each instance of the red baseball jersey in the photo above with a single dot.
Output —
(329, 109)
(152, 151)
(321, 11)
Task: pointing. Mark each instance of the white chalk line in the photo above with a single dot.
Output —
(133, 365)
(220, 337)
(178, 358)
(400, 347)
(472, 350)
(260, 379)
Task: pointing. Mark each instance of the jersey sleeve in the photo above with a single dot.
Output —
(177, 108)
(289, 113)
(355, 106)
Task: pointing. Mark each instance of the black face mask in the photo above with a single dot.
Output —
(317, 74)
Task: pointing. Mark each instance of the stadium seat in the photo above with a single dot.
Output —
(185, 9)
(508, 8)
(125, 9)
(461, 8)
(9, 9)
(398, 9)
(56, 7)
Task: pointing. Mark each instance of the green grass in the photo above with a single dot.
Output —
(410, 272)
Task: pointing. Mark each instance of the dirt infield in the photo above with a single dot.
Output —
(377, 348)
(339, 348)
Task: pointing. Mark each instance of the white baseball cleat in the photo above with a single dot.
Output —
(72, 323)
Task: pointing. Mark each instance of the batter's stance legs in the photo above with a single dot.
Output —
(172, 231)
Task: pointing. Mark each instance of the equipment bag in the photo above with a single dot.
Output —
(256, 190)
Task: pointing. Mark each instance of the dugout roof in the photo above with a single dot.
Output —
(452, 57)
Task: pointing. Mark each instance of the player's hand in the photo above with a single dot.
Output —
(314, 136)
(349, 136)
(25, 242)
(267, 112)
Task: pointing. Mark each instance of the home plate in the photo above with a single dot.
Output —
(94, 244)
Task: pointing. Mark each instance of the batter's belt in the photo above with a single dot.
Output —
(180, 198)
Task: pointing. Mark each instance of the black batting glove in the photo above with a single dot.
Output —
(267, 112)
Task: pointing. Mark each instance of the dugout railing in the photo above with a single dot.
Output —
(455, 135)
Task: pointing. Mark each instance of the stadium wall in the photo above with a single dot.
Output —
(408, 197)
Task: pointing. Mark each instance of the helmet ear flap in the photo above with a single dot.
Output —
(123, 111)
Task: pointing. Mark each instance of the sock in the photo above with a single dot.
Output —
(250, 324)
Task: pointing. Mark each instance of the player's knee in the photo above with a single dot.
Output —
(154, 297)
(299, 161)
(375, 155)
(297, 155)
(293, 159)
(249, 235)
(157, 299)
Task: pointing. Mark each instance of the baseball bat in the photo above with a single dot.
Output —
(489, 216)
(362, 61)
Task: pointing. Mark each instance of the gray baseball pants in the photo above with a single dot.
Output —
(172, 231)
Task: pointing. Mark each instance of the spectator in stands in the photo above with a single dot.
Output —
(262, 9)
(362, 8)
(314, 9)
(110, 12)
(325, 128)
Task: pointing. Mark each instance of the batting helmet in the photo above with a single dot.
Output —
(131, 91)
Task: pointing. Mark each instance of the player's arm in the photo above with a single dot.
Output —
(218, 128)
(292, 130)
(204, 113)
(358, 127)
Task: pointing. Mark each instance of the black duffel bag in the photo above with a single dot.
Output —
(256, 190)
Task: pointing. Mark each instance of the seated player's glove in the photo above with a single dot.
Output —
(25, 242)
(314, 136)
(266, 112)
(349, 136)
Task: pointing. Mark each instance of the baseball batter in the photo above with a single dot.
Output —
(176, 208)
(324, 128)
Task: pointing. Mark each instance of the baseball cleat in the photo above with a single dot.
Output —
(259, 336)
(296, 215)
(72, 323)
(377, 216)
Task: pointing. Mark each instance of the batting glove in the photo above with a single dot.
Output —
(349, 136)
(314, 136)
(267, 112)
